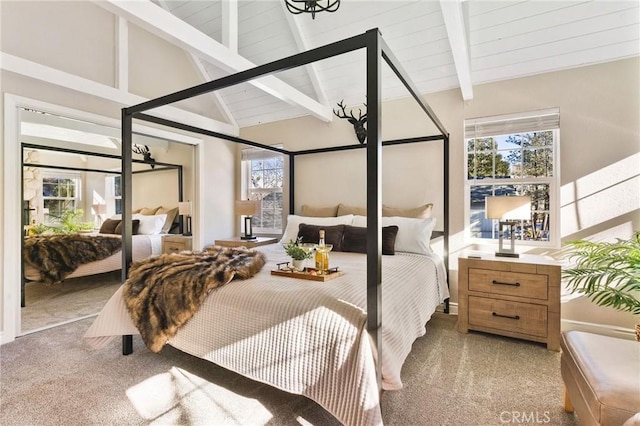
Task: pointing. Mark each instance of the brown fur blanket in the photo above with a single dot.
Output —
(163, 292)
(56, 256)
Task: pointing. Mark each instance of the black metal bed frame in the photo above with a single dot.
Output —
(376, 51)
(159, 167)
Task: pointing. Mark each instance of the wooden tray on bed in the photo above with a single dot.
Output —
(305, 275)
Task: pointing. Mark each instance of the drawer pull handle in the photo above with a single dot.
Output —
(503, 283)
(515, 317)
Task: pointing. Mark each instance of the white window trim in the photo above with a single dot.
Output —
(255, 153)
(554, 182)
(64, 175)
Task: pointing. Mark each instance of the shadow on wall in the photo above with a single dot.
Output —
(602, 198)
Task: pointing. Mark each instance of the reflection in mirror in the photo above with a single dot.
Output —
(72, 189)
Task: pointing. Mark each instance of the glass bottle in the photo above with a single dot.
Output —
(322, 256)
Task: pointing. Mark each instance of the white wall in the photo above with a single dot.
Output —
(599, 157)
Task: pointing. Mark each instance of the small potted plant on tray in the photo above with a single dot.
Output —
(608, 273)
(297, 253)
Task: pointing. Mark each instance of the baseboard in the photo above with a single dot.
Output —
(603, 329)
(453, 308)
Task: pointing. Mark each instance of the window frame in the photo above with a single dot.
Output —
(77, 198)
(246, 190)
(553, 181)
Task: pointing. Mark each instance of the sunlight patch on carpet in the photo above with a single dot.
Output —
(179, 397)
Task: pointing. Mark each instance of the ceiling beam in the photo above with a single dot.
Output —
(202, 72)
(302, 45)
(168, 27)
(54, 76)
(454, 23)
(230, 24)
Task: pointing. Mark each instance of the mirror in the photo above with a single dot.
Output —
(71, 189)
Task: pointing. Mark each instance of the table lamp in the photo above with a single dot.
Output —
(509, 210)
(184, 209)
(247, 208)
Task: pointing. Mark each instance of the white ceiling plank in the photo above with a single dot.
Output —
(165, 25)
(454, 22)
(230, 24)
(299, 38)
(63, 79)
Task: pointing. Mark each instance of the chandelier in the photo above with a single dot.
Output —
(312, 6)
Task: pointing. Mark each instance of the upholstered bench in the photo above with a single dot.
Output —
(601, 376)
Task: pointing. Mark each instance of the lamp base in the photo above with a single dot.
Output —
(248, 237)
(503, 254)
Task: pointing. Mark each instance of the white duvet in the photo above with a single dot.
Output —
(308, 337)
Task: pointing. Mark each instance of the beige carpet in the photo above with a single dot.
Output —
(53, 378)
(72, 299)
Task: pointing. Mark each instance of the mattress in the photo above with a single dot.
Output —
(143, 246)
(308, 337)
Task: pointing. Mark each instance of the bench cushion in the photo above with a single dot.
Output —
(602, 376)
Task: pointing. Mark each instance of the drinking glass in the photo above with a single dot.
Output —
(308, 248)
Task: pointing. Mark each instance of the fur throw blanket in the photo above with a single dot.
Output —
(163, 292)
(56, 256)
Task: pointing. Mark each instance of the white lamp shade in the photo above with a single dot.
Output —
(247, 207)
(508, 208)
(184, 208)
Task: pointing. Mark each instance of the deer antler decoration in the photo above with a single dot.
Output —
(146, 154)
(358, 123)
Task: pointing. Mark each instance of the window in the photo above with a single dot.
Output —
(262, 178)
(60, 193)
(113, 194)
(514, 155)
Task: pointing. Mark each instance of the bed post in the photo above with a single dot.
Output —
(445, 250)
(292, 162)
(374, 196)
(127, 200)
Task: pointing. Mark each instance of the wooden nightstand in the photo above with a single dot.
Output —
(176, 243)
(515, 297)
(237, 242)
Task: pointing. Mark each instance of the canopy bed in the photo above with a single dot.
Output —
(52, 259)
(326, 341)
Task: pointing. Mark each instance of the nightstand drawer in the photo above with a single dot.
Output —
(176, 243)
(515, 317)
(174, 247)
(508, 283)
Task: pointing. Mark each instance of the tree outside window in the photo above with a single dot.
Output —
(512, 164)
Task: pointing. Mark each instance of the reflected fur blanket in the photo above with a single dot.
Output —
(163, 292)
(56, 256)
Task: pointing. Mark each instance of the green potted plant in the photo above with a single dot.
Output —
(607, 273)
(297, 253)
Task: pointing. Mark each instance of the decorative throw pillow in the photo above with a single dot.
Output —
(109, 226)
(344, 209)
(332, 234)
(414, 235)
(319, 211)
(171, 217)
(355, 239)
(135, 225)
(294, 221)
(150, 225)
(148, 212)
(421, 212)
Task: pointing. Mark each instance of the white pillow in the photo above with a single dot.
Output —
(414, 235)
(294, 221)
(150, 225)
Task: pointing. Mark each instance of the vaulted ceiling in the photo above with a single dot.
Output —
(442, 44)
